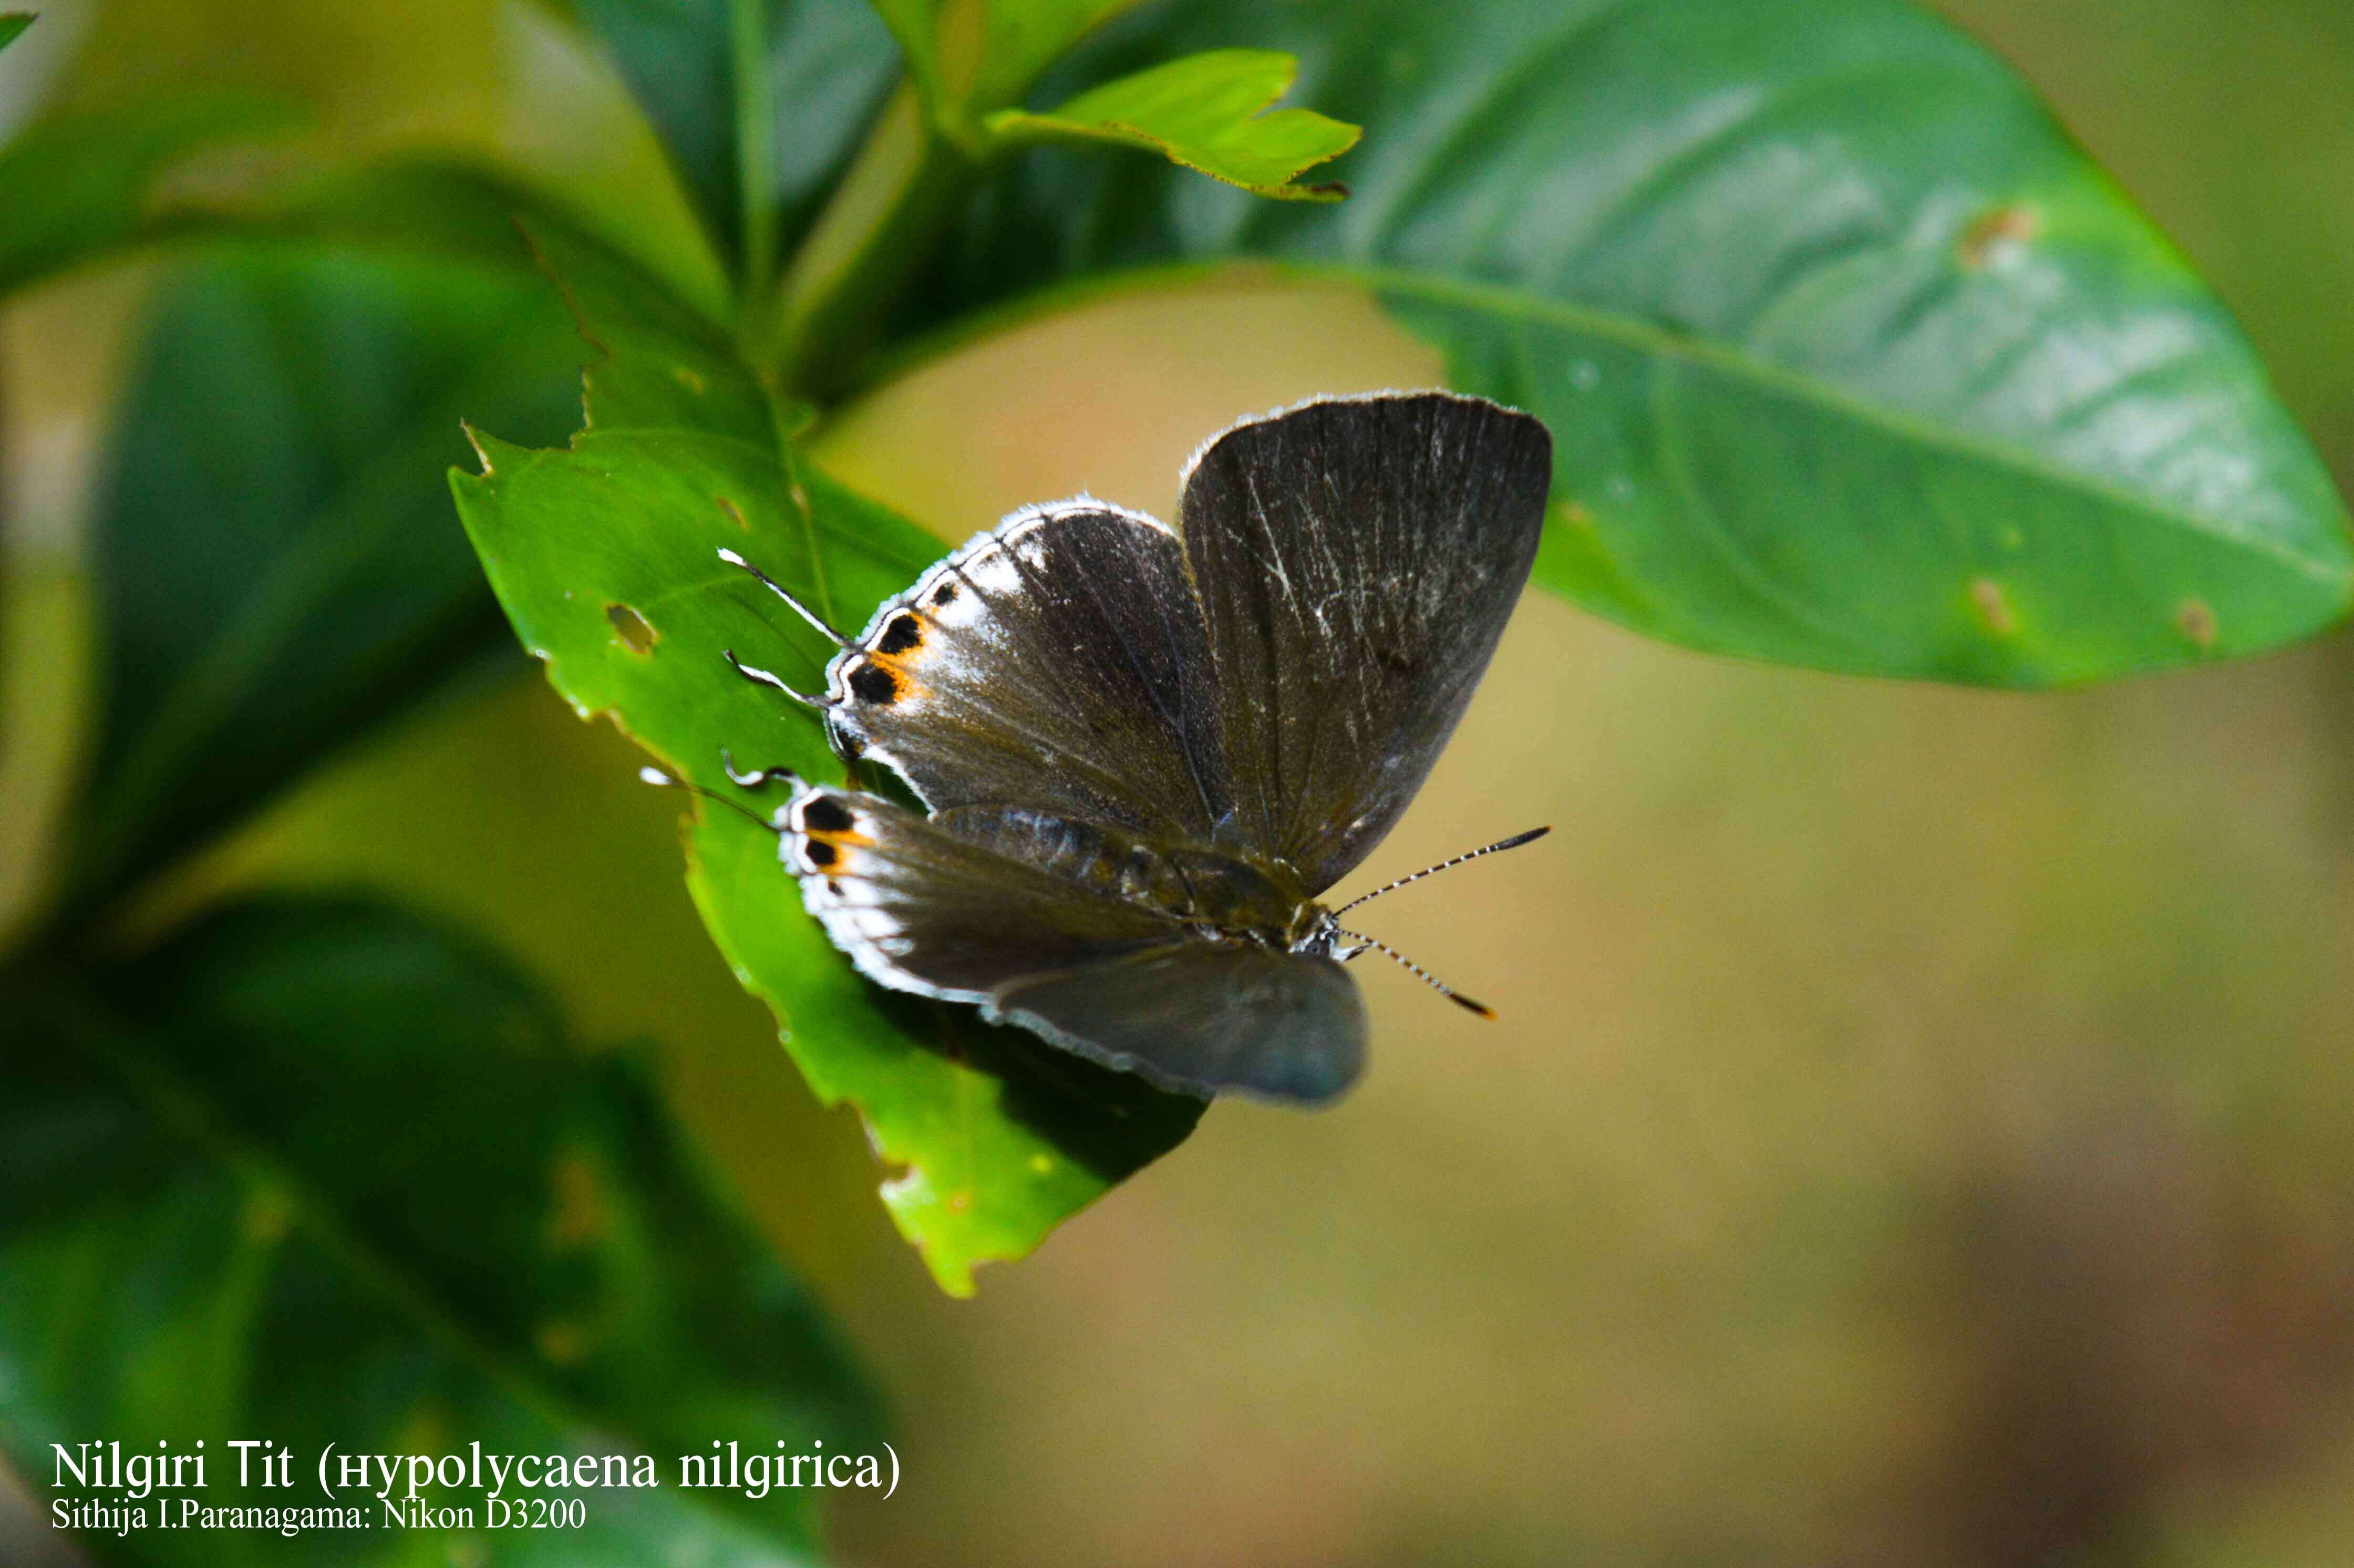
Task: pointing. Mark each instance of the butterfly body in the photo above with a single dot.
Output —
(1144, 753)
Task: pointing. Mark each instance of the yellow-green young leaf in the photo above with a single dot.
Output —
(606, 556)
(971, 57)
(1207, 112)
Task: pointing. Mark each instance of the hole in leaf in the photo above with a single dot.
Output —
(631, 628)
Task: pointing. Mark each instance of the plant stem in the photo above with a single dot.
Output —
(898, 196)
(755, 147)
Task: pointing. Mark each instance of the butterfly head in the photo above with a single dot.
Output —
(1315, 932)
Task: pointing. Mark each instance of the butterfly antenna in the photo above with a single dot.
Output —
(836, 638)
(662, 780)
(1515, 842)
(1424, 975)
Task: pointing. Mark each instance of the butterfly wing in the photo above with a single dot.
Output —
(1058, 661)
(1205, 1018)
(960, 906)
(1356, 560)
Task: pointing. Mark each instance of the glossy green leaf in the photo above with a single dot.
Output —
(74, 186)
(829, 64)
(1851, 357)
(273, 553)
(317, 1173)
(1206, 111)
(606, 556)
(13, 23)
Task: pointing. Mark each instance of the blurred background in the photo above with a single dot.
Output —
(1921, 1128)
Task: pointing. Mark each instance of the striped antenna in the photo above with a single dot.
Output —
(836, 638)
(1515, 842)
(1424, 975)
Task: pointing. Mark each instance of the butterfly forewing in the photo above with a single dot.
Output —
(1356, 560)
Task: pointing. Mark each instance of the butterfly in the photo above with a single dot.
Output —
(1144, 753)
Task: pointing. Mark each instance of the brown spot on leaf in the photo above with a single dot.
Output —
(1993, 607)
(735, 514)
(577, 1204)
(2197, 622)
(1996, 234)
(1576, 514)
(637, 634)
(562, 1342)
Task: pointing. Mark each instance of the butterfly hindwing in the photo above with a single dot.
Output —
(1058, 661)
(1203, 1017)
(1356, 560)
(1017, 911)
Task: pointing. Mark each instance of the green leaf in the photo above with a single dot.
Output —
(319, 1173)
(13, 23)
(606, 556)
(971, 58)
(1852, 358)
(829, 64)
(273, 557)
(75, 185)
(1205, 112)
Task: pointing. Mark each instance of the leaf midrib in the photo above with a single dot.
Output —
(1702, 352)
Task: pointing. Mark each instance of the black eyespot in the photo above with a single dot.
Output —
(944, 594)
(904, 632)
(826, 815)
(820, 853)
(874, 683)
